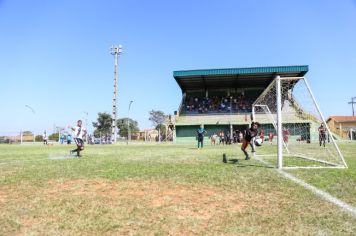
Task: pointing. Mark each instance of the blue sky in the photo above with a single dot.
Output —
(55, 55)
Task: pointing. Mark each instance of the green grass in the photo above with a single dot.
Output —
(165, 189)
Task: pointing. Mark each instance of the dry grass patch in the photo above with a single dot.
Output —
(121, 206)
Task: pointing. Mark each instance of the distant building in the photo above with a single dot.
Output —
(341, 125)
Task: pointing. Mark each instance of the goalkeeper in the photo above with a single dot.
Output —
(250, 133)
(200, 136)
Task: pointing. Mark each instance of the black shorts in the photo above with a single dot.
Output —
(322, 136)
(79, 142)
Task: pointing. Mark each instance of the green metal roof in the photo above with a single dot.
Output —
(235, 77)
(240, 71)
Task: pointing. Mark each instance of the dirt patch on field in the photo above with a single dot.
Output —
(123, 206)
(183, 200)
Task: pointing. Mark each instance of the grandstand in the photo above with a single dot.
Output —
(221, 100)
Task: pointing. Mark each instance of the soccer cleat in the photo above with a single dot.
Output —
(247, 158)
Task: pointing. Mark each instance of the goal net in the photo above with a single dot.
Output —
(287, 109)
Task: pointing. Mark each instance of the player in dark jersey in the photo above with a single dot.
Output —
(200, 136)
(322, 134)
(249, 135)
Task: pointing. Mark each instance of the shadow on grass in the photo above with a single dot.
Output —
(244, 163)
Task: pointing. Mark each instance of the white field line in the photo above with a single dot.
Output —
(326, 196)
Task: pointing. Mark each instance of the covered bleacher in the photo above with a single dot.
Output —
(222, 98)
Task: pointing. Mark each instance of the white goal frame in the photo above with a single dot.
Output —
(277, 124)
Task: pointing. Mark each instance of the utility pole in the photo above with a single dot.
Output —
(352, 104)
(115, 51)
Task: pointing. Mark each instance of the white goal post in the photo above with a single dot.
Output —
(289, 109)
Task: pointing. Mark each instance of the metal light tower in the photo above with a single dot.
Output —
(115, 51)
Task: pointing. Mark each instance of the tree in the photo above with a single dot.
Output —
(103, 124)
(122, 125)
(54, 136)
(39, 138)
(158, 119)
(27, 133)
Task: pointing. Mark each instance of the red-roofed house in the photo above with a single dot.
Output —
(342, 125)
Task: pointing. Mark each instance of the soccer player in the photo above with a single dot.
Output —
(213, 138)
(250, 133)
(78, 133)
(285, 134)
(322, 134)
(270, 137)
(222, 137)
(200, 136)
(45, 138)
(262, 135)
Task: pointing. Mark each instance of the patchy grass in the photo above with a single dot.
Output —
(164, 189)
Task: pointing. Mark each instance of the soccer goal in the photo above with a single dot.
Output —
(289, 108)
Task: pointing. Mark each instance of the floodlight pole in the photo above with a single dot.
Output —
(279, 123)
(115, 51)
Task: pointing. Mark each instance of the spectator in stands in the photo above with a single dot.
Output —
(222, 107)
(217, 104)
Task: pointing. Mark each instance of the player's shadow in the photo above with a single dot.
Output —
(242, 163)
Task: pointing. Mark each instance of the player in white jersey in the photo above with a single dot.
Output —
(78, 133)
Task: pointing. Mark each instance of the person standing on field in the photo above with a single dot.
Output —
(285, 134)
(322, 134)
(200, 136)
(213, 138)
(270, 137)
(262, 135)
(78, 133)
(45, 138)
(250, 133)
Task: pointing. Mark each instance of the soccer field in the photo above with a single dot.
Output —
(162, 189)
